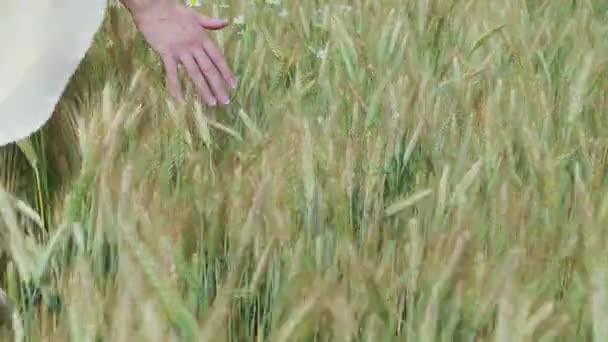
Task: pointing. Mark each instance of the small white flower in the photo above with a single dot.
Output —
(283, 13)
(321, 54)
(240, 20)
(193, 3)
(273, 2)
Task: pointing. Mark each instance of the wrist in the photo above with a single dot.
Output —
(139, 8)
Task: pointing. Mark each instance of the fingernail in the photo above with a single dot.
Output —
(224, 99)
(234, 83)
(213, 103)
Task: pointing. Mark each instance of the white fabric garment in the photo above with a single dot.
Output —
(42, 42)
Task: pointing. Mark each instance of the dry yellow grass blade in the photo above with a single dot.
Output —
(407, 202)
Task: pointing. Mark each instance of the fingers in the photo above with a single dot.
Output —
(205, 65)
(213, 77)
(171, 78)
(211, 23)
(220, 62)
(198, 79)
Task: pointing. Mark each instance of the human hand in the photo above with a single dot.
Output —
(179, 35)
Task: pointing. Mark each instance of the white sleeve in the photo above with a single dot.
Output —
(41, 46)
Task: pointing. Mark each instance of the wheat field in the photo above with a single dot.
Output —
(395, 170)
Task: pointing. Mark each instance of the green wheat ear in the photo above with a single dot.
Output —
(27, 148)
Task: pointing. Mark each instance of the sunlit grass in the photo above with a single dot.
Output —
(387, 170)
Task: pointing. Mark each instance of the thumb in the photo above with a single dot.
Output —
(211, 23)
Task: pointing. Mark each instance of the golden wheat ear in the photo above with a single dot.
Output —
(11, 328)
(16, 178)
(60, 146)
(6, 313)
(16, 173)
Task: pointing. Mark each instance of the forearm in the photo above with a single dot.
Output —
(136, 7)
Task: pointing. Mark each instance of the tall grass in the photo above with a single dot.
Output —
(387, 171)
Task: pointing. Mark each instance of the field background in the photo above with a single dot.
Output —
(387, 171)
